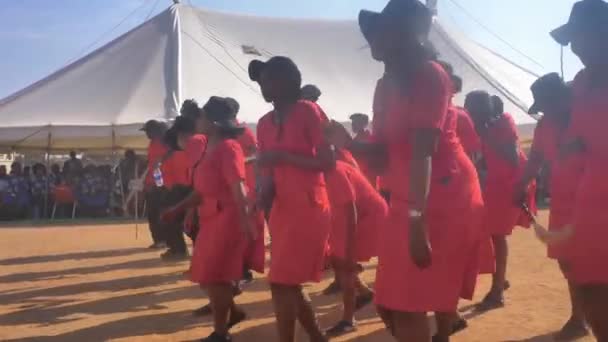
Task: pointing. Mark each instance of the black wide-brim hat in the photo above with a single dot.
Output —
(545, 89)
(282, 63)
(406, 15)
(587, 16)
(220, 112)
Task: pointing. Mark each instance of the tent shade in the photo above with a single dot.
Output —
(100, 101)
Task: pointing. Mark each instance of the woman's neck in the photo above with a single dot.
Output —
(214, 140)
(283, 104)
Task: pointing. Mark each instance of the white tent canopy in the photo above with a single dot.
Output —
(99, 102)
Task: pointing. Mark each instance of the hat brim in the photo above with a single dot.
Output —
(369, 22)
(229, 126)
(255, 70)
(563, 34)
(534, 109)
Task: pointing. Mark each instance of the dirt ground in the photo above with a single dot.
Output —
(100, 283)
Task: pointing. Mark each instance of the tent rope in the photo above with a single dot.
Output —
(495, 35)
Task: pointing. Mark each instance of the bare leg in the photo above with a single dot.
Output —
(576, 326)
(411, 327)
(445, 324)
(286, 311)
(220, 296)
(306, 316)
(501, 249)
(387, 317)
(595, 306)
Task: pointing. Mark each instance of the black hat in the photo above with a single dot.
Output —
(153, 125)
(311, 92)
(359, 116)
(184, 124)
(586, 16)
(408, 15)
(281, 64)
(219, 111)
(545, 89)
(190, 108)
(234, 104)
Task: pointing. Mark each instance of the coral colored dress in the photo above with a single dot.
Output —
(347, 185)
(220, 249)
(549, 135)
(300, 219)
(363, 163)
(502, 214)
(465, 130)
(454, 204)
(590, 241)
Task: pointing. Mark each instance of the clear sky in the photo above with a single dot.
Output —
(41, 36)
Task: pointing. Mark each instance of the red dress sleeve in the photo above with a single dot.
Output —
(431, 97)
(539, 143)
(466, 132)
(247, 140)
(233, 162)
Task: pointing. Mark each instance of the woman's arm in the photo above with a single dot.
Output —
(239, 193)
(191, 201)
(423, 146)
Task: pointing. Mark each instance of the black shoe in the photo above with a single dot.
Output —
(215, 337)
(247, 277)
(363, 300)
(507, 285)
(203, 311)
(459, 325)
(158, 245)
(341, 328)
(332, 289)
(171, 256)
(236, 318)
(490, 302)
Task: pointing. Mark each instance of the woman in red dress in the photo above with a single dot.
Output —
(292, 159)
(553, 98)
(434, 186)
(221, 195)
(504, 161)
(358, 212)
(587, 33)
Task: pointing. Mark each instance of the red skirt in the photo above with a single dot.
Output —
(401, 285)
(220, 248)
(366, 236)
(300, 231)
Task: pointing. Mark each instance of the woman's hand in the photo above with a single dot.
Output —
(420, 247)
(270, 158)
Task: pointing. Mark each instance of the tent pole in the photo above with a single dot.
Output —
(114, 163)
(48, 170)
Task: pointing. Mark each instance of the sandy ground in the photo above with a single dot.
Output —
(100, 283)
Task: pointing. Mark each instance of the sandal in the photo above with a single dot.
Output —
(341, 328)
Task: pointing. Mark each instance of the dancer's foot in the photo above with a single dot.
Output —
(491, 301)
(332, 289)
(215, 337)
(158, 245)
(203, 311)
(341, 328)
(236, 317)
(172, 256)
(507, 285)
(572, 330)
(363, 300)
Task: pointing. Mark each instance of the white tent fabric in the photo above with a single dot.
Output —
(99, 102)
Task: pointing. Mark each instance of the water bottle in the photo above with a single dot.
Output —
(158, 176)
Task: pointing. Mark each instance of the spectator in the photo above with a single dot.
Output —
(17, 197)
(72, 166)
(92, 192)
(39, 191)
(55, 178)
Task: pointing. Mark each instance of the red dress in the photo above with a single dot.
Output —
(255, 252)
(176, 169)
(502, 214)
(346, 185)
(156, 151)
(590, 240)
(194, 149)
(465, 130)
(565, 171)
(220, 249)
(300, 219)
(454, 205)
